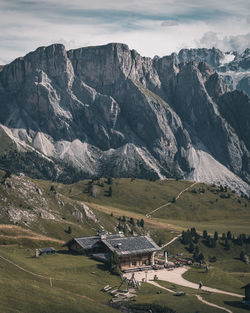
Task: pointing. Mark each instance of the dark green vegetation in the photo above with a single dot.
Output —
(226, 271)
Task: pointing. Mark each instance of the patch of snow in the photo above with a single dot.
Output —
(236, 76)
(228, 57)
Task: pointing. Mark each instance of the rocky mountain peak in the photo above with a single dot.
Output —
(107, 110)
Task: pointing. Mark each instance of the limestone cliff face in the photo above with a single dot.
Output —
(106, 110)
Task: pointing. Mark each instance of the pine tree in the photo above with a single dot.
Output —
(191, 247)
(204, 234)
(216, 236)
(229, 235)
(110, 192)
(131, 221)
(109, 181)
(242, 255)
(193, 231)
(227, 244)
(142, 223)
(201, 257)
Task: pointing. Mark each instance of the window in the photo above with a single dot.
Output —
(134, 263)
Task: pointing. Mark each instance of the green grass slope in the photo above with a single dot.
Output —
(76, 283)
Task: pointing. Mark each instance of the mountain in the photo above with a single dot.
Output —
(233, 67)
(108, 111)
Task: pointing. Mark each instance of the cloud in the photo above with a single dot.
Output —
(27, 24)
(226, 43)
(168, 23)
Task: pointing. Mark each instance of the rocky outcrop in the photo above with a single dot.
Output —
(107, 110)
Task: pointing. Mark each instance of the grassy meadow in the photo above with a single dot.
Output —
(76, 280)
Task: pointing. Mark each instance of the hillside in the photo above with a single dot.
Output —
(50, 207)
(37, 213)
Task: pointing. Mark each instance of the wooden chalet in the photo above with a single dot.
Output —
(135, 252)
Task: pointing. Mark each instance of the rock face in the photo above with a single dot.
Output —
(233, 67)
(107, 111)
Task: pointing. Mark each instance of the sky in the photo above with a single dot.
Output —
(152, 27)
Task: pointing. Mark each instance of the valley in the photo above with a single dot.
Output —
(38, 213)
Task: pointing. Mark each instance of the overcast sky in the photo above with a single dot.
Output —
(152, 27)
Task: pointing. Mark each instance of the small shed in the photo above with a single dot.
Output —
(49, 250)
(247, 292)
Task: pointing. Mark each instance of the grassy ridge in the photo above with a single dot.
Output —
(210, 209)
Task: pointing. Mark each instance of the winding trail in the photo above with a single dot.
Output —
(171, 241)
(20, 232)
(27, 271)
(49, 279)
(198, 297)
(213, 305)
(175, 276)
(148, 215)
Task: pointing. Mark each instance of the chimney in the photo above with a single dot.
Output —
(102, 234)
(119, 245)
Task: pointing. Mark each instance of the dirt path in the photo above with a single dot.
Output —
(23, 269)
(171, 241)
(20, 232)
(175, 277)
(50, 279)
(120, 212)
(213, 305)
(41, 238)
(170, 202)
(198, 297)
(159, 286)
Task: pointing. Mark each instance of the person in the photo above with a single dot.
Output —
(200, 285)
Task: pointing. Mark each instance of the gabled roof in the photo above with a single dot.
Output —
(94, 241)
(88, 242)
(47, 250)
(131, 245)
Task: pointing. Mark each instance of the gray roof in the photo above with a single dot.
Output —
(94, 241)
(47, 250)
(131, 245)
(88, 242)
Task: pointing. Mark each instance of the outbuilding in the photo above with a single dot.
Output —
(49, 250)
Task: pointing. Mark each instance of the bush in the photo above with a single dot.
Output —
(212, 259)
